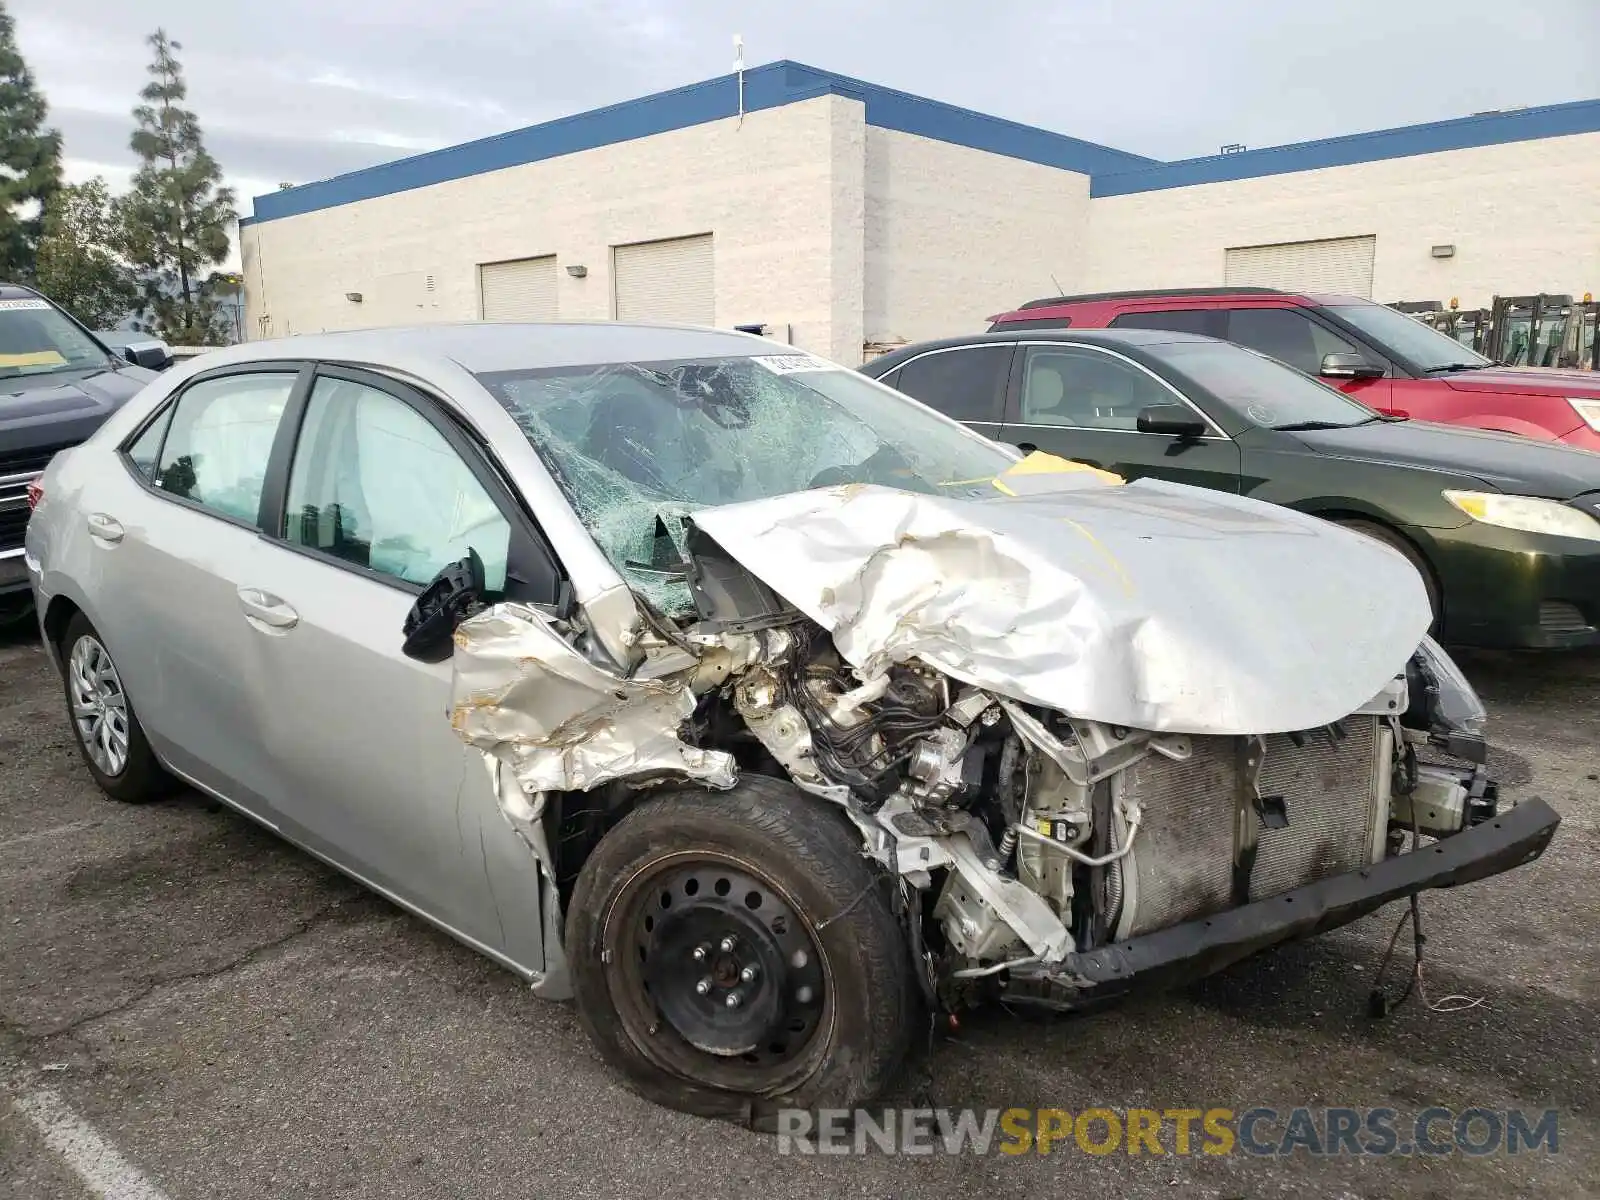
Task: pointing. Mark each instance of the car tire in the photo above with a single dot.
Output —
(813, 949)
(1382, 533)
(103, 722)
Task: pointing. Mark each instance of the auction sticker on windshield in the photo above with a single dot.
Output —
(33, 304)
(790, 364)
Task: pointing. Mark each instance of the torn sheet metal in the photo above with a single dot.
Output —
(1150, 604)
(523, 695)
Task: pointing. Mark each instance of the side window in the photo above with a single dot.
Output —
(144, 450)
(967, 384)
(1286, 335)
(375, 484)
(1086, 389)
(220, 439)
(1207, 321)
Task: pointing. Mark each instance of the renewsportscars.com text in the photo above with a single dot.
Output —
(1260, 1131)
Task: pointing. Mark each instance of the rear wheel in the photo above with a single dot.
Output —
(735, 953)
(1381, 533)
(103, 722)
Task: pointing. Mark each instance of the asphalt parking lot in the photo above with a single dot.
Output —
(185, 998)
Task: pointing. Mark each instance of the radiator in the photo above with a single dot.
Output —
(1182, 865)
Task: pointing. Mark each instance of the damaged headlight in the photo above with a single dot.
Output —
(1443, 704)
(1529, 514)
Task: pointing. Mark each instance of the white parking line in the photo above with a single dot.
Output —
(96, 1161)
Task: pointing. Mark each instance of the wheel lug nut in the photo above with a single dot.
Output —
(728, 943)
(700, 953)
(703, 987)
(748, 974)
(734, 1000)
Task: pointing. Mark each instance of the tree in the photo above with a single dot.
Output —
(30, 158)
(80, 261)
(177, 214)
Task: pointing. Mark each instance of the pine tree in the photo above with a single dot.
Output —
(80, 259)
(30, 159)
(177, 215)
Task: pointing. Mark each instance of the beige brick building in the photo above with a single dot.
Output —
(844, 217)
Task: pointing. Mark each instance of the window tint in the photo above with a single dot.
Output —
(969, 384)
(1022, 325)
(375, 484)
(142, 453)
(1183, 320)
(1286, 335)
(220, 438)
(1086, 389)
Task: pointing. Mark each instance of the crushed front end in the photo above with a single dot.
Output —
(1091, 761)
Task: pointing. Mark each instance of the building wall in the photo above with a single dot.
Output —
(1523, 217)
(953, 235)
(781, 193)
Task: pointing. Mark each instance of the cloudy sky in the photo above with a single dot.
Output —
(296, 90)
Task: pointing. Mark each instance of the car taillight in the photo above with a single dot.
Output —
(35, 494)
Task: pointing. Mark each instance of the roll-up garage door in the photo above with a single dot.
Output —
(1342, 265)
(666, 281)
(524, 290)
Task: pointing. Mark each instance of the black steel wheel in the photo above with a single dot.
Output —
(735, 953)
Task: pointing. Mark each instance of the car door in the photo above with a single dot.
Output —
(380, 491)
(1082, 402)
(1293, 336)
(967, 383)
(176, 535)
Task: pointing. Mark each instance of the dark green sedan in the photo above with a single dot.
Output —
(1505, 531)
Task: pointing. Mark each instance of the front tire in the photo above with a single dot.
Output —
(103, 722)
(735, 953)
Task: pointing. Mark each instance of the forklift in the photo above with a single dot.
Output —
(1530, 331)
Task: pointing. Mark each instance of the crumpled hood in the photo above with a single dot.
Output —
(1151, 605)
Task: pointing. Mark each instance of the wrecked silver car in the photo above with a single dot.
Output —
(762, 711)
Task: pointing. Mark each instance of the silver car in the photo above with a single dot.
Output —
(756, 707)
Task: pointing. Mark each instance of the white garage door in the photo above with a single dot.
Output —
(666, 281)
(1342, 265)
(524, 290)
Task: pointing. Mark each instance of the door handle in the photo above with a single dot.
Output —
(107, 529)
(267, 609)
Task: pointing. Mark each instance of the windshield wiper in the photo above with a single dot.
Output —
(1305, 426)
(1443, 368)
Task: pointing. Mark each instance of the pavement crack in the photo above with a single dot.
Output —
(151, 986)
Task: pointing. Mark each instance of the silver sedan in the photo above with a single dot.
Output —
(744, 700)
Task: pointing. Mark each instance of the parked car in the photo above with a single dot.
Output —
(768, 666)
(1502, 529)
(1386, 359)
(57, 383)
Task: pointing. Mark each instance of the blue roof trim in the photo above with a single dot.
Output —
(1462, 133)
(770, 86)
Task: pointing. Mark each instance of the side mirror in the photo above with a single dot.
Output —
(455, 594)
(1173, 419)
(153, 355)
(1349, 366)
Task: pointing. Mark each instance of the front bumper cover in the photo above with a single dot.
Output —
(1198, 948)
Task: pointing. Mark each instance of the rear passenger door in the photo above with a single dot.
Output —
(967, 383)
(1083, 403)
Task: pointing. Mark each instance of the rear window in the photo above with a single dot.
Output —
(1026, 323)
(967, 384)
(1207, 321)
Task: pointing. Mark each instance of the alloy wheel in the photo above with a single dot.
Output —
(99, 706)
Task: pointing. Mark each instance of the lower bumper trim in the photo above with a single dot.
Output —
(1198, 948)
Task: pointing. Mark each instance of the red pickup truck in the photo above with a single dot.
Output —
(1387, 360)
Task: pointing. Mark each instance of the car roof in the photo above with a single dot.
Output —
(1102, 337)
(15, 291)
(488, 346)
(1041, 309)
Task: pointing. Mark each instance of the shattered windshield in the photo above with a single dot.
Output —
(637, 446)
